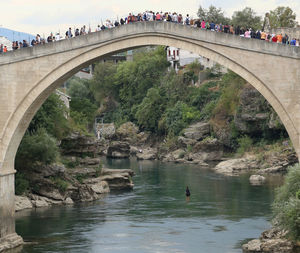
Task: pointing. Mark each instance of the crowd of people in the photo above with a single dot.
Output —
(263, 34)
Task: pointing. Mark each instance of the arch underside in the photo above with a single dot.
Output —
(40, 91)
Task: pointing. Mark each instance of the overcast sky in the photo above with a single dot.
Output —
(45, 16)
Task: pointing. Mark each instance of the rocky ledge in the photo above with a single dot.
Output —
(57, 185)
(271, 241)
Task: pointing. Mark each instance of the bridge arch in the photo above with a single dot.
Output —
(79, 52)
(30, 75)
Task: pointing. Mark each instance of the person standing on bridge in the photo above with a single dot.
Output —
(187, 19)
(69, 33)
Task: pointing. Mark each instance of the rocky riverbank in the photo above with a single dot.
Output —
(271, 241)
(54, 185)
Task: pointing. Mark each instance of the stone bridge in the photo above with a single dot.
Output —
(30, 75)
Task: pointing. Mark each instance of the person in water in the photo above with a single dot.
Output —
(187, 192)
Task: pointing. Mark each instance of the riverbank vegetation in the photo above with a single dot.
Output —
(286, 207)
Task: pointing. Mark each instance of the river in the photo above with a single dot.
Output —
(155, 216)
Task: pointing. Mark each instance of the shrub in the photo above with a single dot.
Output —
(286, 207)
(245, 144)
(35, 148)
(21, 184)
(179, 116)
(61, 184)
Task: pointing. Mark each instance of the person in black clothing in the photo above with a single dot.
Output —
(187, 192)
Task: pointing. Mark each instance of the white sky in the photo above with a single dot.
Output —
(45, 16)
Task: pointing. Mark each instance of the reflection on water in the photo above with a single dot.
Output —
(155, 217)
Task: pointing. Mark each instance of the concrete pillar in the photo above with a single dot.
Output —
(8, 237)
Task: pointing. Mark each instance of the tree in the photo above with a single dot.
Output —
(85, 108)
(77, 89)
(37, 147)
(213, 14)
(247, 18)
(150, 110)
(179, 116)
(283, 17)
(52, 117)
(102, 84)
(133, 79)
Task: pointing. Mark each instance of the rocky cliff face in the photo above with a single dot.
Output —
(254, 114)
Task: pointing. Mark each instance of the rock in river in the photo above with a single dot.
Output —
(118, 149)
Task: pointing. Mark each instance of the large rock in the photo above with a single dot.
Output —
(197, 131)
(117, 179)
(237, 166)
(209, 150)
(118, 149)
(51, 170)
(127, 129)
(80, 145)
(255, 113)
(39, 201)
(22, 202)
(49, 187)
(89, 161)
(100, 187)
(271, 241)
(257, 179)
(146, 154)
(186, 142)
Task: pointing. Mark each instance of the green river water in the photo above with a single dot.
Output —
(223, 212)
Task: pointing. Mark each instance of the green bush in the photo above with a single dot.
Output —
(61, 184)
(286, 207)
(35, 148)
(179, 116)
(51, 117)
(245, 144)
(21, 184)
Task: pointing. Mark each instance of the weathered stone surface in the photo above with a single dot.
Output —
(254, 113)
(87, 172)
(275, 169)
(127, 130)
(185, 142)
(22, 202)
(271, 241)
(68, 201)
(117, 179)
(175, 156)
(79, 145)
(10, 241)
(236, 166)
(253, 246)
(38, 201)
(146, 154)
(100, 187)
(118, 149)
(51, 170)
(90, 161)
(209, 149)
(257, 179)
(197, 131)
(51, 193)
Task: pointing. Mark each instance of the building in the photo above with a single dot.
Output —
(179, 58)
